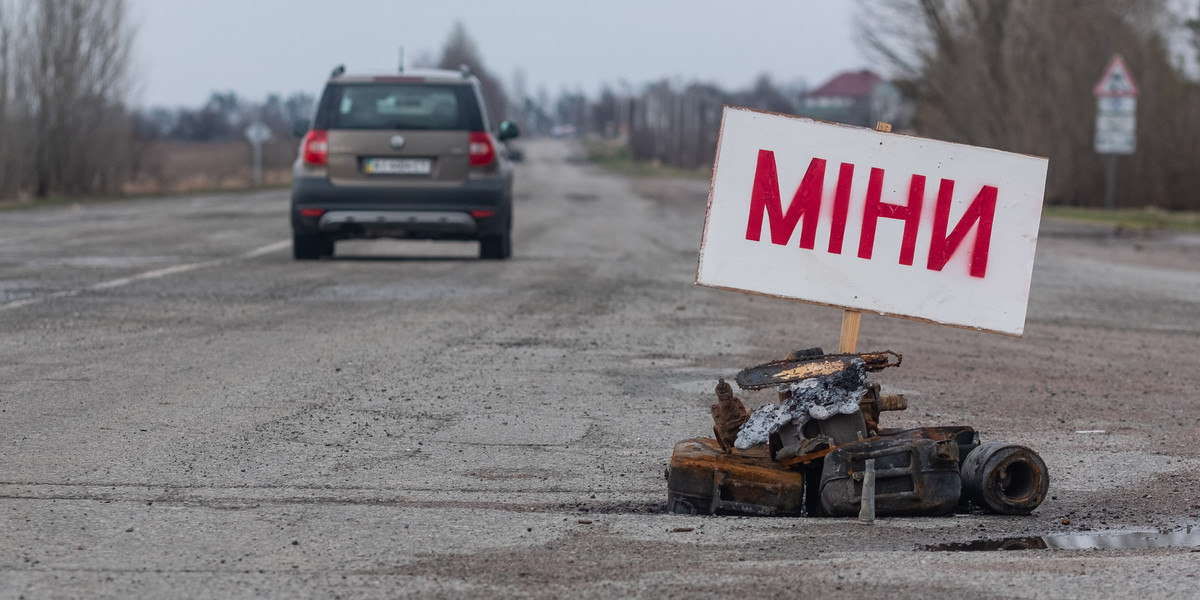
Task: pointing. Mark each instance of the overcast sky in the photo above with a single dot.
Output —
(188, 48)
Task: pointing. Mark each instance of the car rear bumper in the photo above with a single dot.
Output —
(476, 209)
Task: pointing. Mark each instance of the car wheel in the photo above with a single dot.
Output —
(310, 247)
(496, 247)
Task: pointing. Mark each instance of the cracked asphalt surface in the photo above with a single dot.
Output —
(185, 411)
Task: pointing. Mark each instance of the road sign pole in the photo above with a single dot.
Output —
(258, 164)
(1116, 122)
(257, 133)
(1110, 182)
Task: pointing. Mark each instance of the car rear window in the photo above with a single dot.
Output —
(399, 106)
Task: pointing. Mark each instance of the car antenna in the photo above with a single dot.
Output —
(465, 69)
(337, 71)
(401, 69)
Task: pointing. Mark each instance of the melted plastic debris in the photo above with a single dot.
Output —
(814, 398)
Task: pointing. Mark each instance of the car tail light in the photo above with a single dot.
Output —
(316, 147)
(483, 214)
(480, 149)
(312, 212)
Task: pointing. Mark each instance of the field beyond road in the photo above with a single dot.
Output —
(185, 411)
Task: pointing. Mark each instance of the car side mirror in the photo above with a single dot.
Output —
(508, 130)
(300, 127)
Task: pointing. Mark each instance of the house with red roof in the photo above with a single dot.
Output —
(857, 98)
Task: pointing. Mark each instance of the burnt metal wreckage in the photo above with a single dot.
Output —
(817, 450)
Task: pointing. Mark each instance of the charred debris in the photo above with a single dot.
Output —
(815, 451)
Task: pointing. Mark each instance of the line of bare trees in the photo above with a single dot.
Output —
(64, 79)
(1018, 75)
(1010, 74)
(669, 122)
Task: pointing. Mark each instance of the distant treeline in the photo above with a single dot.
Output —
(224, 117)
(1008, 74)
(676, 124)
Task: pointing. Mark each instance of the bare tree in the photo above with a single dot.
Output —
(460, 50)
(71, 78)
(676, 127)
(1018, 75)
(7, 165)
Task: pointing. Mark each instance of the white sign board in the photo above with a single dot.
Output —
(1116, 133)
(881, 222)
(257, 133)
(1116, 110)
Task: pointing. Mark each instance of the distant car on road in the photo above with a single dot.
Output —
(402, 155)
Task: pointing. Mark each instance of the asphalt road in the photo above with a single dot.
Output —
(185, 411)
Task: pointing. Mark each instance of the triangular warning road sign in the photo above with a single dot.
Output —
(1117, 82)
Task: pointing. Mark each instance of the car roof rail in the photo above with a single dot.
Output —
(337, 71)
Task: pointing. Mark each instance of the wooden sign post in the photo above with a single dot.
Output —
(868, 220)
(851, 319)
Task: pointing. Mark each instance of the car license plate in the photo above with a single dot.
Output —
(398, 166)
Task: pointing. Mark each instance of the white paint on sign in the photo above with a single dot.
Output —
(853, 218)
(1116, 104)
(1116, 132)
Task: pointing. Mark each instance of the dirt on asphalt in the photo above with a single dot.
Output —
(186, 411)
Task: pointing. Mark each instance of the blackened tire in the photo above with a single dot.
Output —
(1006, 479)
(495, 247)
(310, 247)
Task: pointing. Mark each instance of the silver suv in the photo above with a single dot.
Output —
(402, 155)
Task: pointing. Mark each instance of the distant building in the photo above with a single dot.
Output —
(857, 98)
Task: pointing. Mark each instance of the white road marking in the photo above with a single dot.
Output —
(154, 274)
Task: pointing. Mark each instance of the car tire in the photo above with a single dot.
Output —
(310, 247)
(495, 247)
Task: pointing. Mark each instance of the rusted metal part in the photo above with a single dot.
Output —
(913, 476)
(728, 415)
(787, 442)
(804, 459)
(964, 436)
(1007, 479)
(704, 479)
(805, 353)
(808, 454)
(792, 441)
(843, 429)
(874, 402)
(893, 402)
(790, 370)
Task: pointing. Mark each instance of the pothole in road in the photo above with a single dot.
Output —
(1188, 537)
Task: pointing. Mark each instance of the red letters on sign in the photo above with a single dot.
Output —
(841, 206)
(981, 211)
(910, 214)
(805, 203)
(765, 201)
